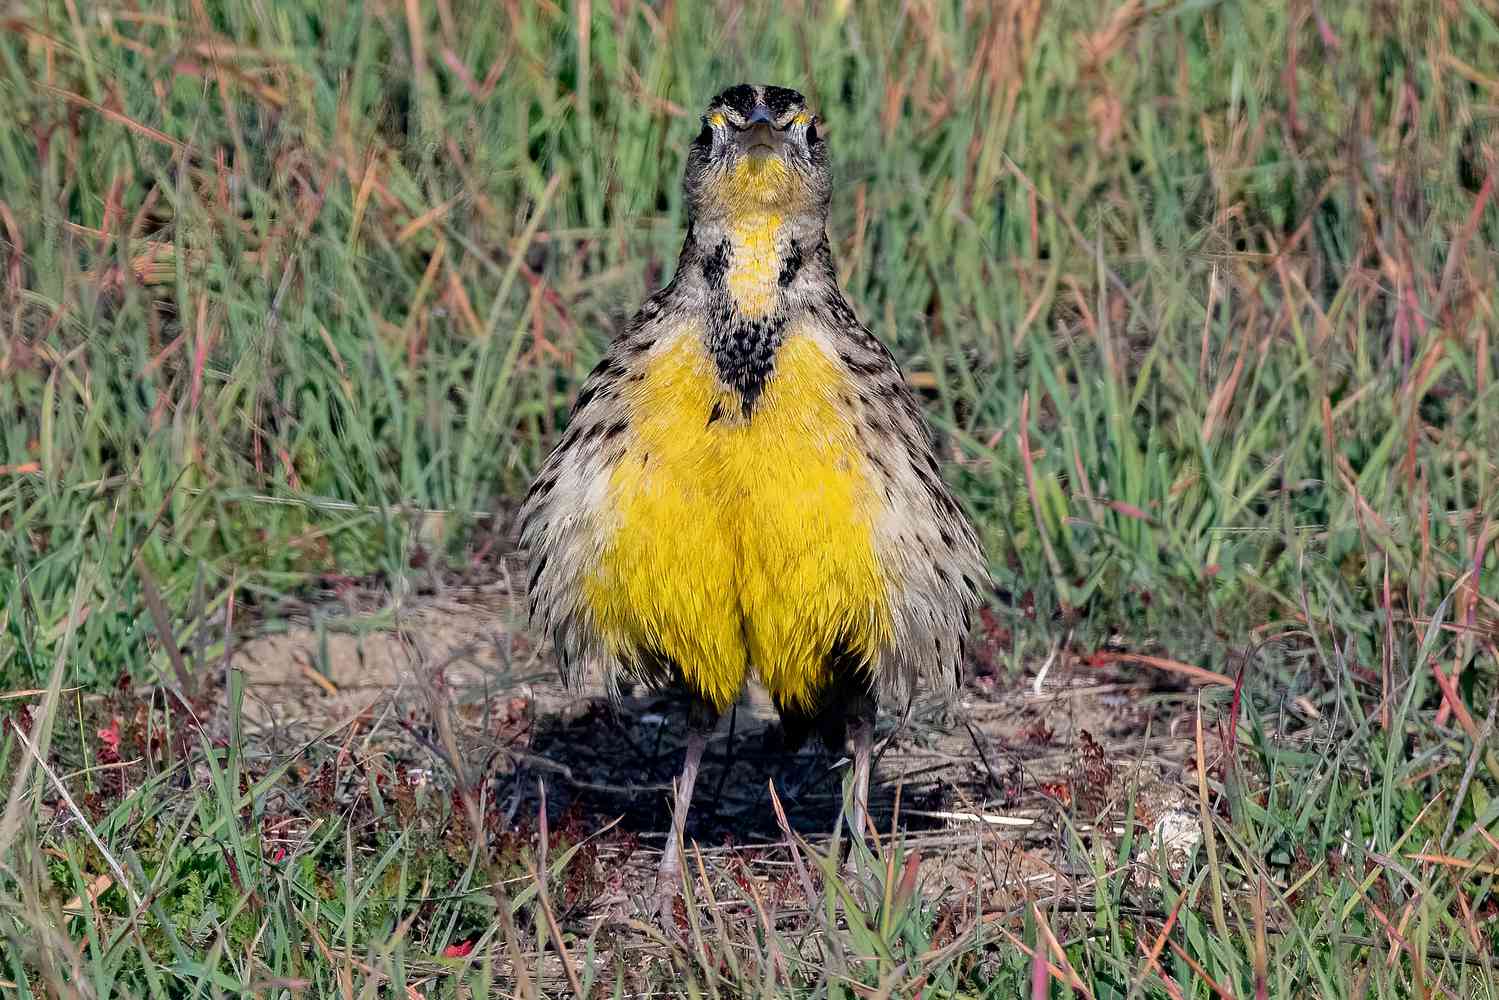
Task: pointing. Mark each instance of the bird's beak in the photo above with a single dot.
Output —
(760, 139)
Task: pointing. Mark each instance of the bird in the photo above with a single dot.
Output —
(747, 487)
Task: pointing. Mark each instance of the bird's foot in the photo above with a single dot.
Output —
(664, 899)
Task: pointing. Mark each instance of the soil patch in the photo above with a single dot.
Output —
(447, 687)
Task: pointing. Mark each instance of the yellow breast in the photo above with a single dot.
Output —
(734, 543)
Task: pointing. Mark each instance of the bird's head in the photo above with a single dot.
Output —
(759, 151)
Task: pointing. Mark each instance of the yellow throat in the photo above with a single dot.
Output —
(753, 193)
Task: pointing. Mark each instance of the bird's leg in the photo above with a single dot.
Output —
(862, 731)
(669, 875)
(697, 742)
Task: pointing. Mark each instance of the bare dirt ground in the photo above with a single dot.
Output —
(444, 686)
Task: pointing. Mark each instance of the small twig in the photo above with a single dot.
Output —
(989, 819)
(96, 768)
(1050, 659)
(109, 859)
(432, 747)
(1478, 747)
(978, 744)
(539, 872)
(1197, 675)
(33, 692)
(547, 764)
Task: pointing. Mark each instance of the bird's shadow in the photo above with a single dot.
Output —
(609, 762)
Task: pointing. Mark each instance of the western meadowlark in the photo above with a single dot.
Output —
(746, 482)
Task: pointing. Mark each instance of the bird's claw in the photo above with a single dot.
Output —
(665, 902)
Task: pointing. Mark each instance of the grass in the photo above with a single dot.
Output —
(1201, 298)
